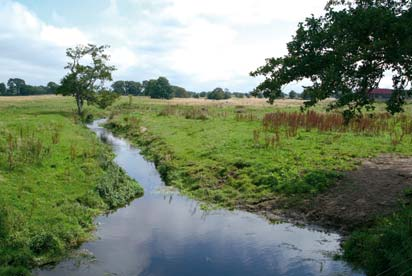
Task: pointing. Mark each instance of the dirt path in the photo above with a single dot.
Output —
(374, 189)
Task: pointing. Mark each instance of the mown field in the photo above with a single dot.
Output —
(237, 153)
(55, 178)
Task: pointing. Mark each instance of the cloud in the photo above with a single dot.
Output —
(196, 44)
(32, 49)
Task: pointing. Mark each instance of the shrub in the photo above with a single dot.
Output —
(384, 249)
(116, 188)
(44, 242)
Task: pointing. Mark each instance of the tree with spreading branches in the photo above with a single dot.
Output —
(85, 81)
(347, 52)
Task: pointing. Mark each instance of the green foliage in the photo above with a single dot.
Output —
(218, 94)
(3, 90)
(14, 271)
(116, 188)
(105, 98)
(386, 248)
(80, 81)
(346, 52)
(293, 94)
(180, 92)
(18, 87)
(159, 89)
(127, 88)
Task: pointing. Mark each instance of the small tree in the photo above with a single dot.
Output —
(217, 94)
(84, 82)
(293, 94)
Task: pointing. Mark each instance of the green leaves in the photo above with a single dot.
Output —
(345, 53)
(83, 81)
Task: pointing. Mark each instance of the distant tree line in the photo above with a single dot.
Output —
(18, 87)
(161, 88)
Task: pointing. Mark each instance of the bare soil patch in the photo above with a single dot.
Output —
(375, 189)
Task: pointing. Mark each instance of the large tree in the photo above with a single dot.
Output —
(159, 89)
(127, 87)
(15, 86)
(180, 92)
(3, 90)
(346, 52)
(217, 94)
(84, 81)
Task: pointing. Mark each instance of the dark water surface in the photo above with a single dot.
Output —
(164, 233)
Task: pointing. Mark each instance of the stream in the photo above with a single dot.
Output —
(165, 233)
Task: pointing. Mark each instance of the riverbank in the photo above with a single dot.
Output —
(212, 153)
(55, 177)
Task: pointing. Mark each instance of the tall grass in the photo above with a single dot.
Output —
(377, 124)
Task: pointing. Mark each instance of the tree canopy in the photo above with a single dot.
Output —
(158, 89)
(127, 87)
(346, 52)
(18, 87)
(84, 82)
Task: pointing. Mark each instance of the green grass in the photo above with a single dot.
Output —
(55, 178)
(216, 158)
(384, 249)
(211, 156)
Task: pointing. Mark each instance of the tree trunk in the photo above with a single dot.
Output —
(79, 103)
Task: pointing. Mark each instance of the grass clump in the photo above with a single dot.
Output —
(385, 248)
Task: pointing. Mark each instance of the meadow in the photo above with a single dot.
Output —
(55, 178)
(231, 154)
(240, 153)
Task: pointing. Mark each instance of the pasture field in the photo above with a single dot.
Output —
(233, 154)
(55, 178)
(246, 153)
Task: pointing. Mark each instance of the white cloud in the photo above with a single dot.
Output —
(197, 44)
(63, 37)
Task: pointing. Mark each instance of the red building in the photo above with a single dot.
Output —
(380, 94)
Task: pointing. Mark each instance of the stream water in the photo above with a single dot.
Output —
(164, 233)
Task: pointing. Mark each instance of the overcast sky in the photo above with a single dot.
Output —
(197, 44)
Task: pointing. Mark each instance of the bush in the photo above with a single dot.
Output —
(116, 188)
(14, 271)
(44, 243)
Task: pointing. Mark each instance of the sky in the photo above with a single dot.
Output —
(196, 44)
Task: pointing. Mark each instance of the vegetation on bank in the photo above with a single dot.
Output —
(229, 155)
(55, 178)
(235, 156)
(385, 248)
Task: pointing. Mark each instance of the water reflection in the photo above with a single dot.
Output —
(164, 233)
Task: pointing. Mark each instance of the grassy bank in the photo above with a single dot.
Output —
(236, 155)
(55, 178)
